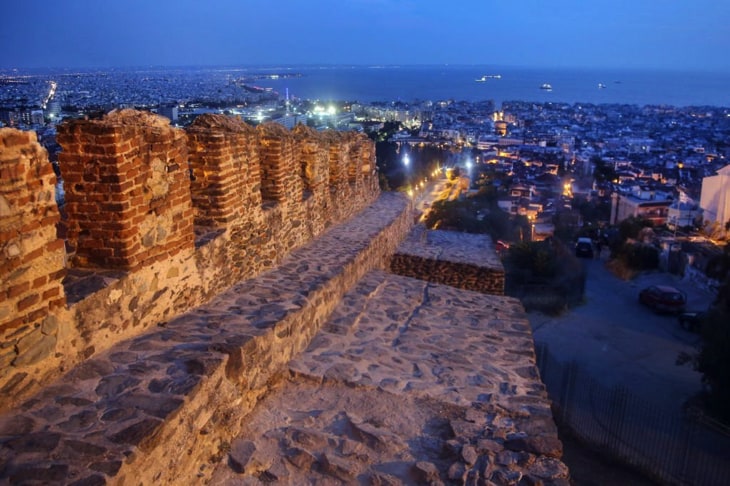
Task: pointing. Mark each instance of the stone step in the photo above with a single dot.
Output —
(160, 407)
(408, 382)
(462, 260)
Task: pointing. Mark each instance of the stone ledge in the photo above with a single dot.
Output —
(463, 260)
(160, 406)
(408, 382)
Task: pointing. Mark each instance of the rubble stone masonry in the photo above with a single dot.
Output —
(158, 220)
(32, 263)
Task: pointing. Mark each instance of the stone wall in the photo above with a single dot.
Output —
(31, 258)
(158, 220)
(460, 275)
(161, 407)
(461, 260)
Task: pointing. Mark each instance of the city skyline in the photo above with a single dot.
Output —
(650, 34)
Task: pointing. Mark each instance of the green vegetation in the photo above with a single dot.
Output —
(544, 275)
(477, 215)
(713, 359)
(592, 212)
(603, 171)
(389, 155)
(631, 247)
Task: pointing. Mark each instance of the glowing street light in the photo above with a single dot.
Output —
(406, 160)
(468, 165)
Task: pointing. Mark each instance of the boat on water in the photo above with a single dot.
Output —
(488, 76)
(546, 87)
(601, 85)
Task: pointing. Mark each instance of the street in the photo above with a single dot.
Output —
(618, 341)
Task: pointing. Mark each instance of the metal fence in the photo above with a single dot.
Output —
(661, 441)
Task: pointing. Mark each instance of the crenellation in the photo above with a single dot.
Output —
(353, 166)
(223, 170)
(140, 164)
(337, 161)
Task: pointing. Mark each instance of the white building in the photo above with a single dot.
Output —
(715, 197)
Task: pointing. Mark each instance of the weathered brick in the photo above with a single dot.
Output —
(40, 282)
(27, 302)
(18, 289)
(50, 293)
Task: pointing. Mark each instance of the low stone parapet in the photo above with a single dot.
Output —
(463, 260)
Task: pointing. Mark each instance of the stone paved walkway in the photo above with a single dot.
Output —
(408, 382)
(157, 408)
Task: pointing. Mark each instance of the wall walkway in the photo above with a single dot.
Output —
(154, 408)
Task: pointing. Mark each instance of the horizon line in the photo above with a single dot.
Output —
(287, 66)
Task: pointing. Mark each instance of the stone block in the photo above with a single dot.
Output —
(34, 348)
(241, 455)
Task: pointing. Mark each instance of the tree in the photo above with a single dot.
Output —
(630, 227)
(713, 356)
(603, 171)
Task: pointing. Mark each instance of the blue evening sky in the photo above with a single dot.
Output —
(675, 34)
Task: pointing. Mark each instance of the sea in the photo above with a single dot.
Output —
(459, 83)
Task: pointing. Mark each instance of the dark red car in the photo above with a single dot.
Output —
(663, 298)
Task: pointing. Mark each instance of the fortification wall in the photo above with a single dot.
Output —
(158, 220)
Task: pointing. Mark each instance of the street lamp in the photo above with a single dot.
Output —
(406, 160)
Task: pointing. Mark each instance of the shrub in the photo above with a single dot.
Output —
(713, 361)
(639, 256)
(545, 276)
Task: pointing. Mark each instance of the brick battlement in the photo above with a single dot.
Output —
(158, 220)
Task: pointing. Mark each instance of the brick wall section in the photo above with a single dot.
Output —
(225, 169)
(354, 171)
(280, 178)
(368, 167)
(314, 167)
(127, 190)
(338, 156)
(31, 256)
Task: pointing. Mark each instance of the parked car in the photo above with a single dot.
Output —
(663, 298)
(584, 248)
(692, 320)
(501, 247)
